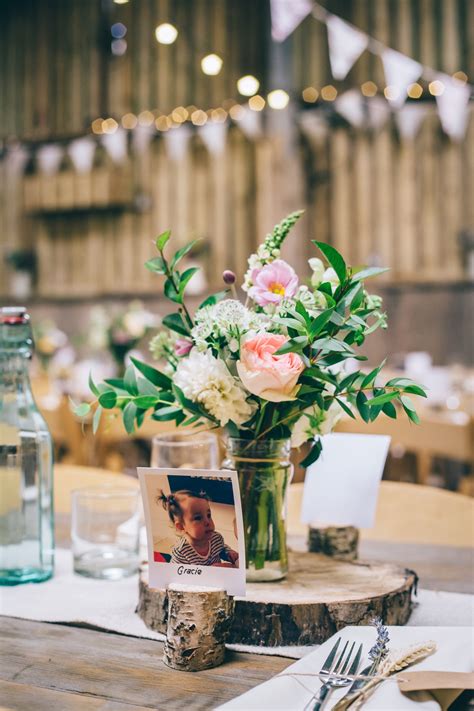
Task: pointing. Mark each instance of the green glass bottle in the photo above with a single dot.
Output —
(26, 462)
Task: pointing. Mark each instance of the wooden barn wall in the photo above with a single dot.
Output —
(375, 196)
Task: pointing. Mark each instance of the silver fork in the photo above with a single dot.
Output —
(335, 670)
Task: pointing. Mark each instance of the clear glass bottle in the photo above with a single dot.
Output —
(26, 462)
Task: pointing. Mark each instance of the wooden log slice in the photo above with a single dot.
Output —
(319, 596)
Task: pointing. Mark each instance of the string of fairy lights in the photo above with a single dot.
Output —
(247, 86)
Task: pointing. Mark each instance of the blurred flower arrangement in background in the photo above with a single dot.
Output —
(49, 341)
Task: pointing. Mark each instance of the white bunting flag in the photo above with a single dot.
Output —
(250, 123)
(400, 72)
(214, 136)
(81, 152)
(49, 158)
(314, 126)
(409, 119)
(176, 142)
(141, 138)
(287, 15)
(116, 145)
(351, 106)
(453, 106)
(379, 111)
(346, 44)
(16, 159)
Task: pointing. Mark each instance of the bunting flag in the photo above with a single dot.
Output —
(17, 156)
(409, 120)
(400, 72)
(49, 158)
(251, 123)
(141, 138)
(116, 145)
(453, 106)
(351, 106)
(287, 15)
(314, 126)
(379, 112)
(214, 137)
(176, 142)
(346, 44)
(81, 152)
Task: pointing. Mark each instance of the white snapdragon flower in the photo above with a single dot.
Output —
(206, 380)
(315, 421)
(317, 267)
(331, 277)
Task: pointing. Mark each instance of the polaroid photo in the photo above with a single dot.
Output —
(194, 528)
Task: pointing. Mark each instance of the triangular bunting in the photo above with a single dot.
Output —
(346, 44)
(453, 106)
(81, 152)
(409, 119)
(116, 144)
(351, 106)
(250, 123)
(400, 72)
(176, 142)
(287, 15)
(379, 111)
(214, 136)
(141, 138)
(49, 158)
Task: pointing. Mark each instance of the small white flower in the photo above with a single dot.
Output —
(317, 267)
(331, 277)
(206, 380)
(315, 421)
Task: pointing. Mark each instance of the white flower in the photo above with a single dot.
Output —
(315, 421)
(317, 267)
(206, 380)
(331, 277)
(228, 319)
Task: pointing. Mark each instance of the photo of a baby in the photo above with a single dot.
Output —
(199, 543)
(192, 518)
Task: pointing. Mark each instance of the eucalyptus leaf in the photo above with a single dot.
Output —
(130, 381)
(93, 387)
(108, 400)
(128, 415)
(145, 401)
(152, 374)
(96, 419)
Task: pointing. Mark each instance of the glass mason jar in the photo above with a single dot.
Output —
(26, 462)
(265, 472)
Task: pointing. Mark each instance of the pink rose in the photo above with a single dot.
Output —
(273, 282)
(271, 377)
(182, 346)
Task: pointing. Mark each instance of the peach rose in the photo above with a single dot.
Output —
(271, 377)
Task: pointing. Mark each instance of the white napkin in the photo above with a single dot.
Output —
(283, 692)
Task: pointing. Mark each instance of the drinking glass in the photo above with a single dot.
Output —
(105, 531)
(185, 450)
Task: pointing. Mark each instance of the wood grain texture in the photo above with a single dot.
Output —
(113, 669)
(319, 596)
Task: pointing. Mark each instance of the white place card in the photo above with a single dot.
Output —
(194, 525)
(341, 487)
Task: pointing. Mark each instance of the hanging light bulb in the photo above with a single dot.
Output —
(166, 33)
(248, 85)
(211, 64)
(278, 99)
(256, 103)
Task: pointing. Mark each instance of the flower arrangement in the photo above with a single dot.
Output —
(267, 369)
(49, 340)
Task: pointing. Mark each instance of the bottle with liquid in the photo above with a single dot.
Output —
(26, 462)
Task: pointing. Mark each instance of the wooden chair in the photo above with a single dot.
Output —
(69, 477)
(408, 513)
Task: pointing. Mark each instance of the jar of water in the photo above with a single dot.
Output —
(26, 462)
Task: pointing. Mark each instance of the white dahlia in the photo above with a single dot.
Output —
(206, 380)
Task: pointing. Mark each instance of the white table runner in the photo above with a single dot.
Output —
(110, 606)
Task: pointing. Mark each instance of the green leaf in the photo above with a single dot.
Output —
(301, 310)
(370, 378)
(96, 419)
(294, 345)
(389, 410)
(313, 454)
(162, 240)
(115, 383)
(175, 323)
(128, 415)
(319, 322)
(145, 401)
(364, 410)
(185, 277)
(140, 417)
(213, 299)
(406, 402)
(152, 374)
(130, 381)
(331, 344)
(170, 292)
(147, 388)
(349, 380)
(334, 258)
(165, 414)
(291, 323)
(82, 409)
(369, 272)
(156, 265)
(108, 400)
(346, 408)
(415, 390)
(182, 253)
(383, 398)
(93, 387)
